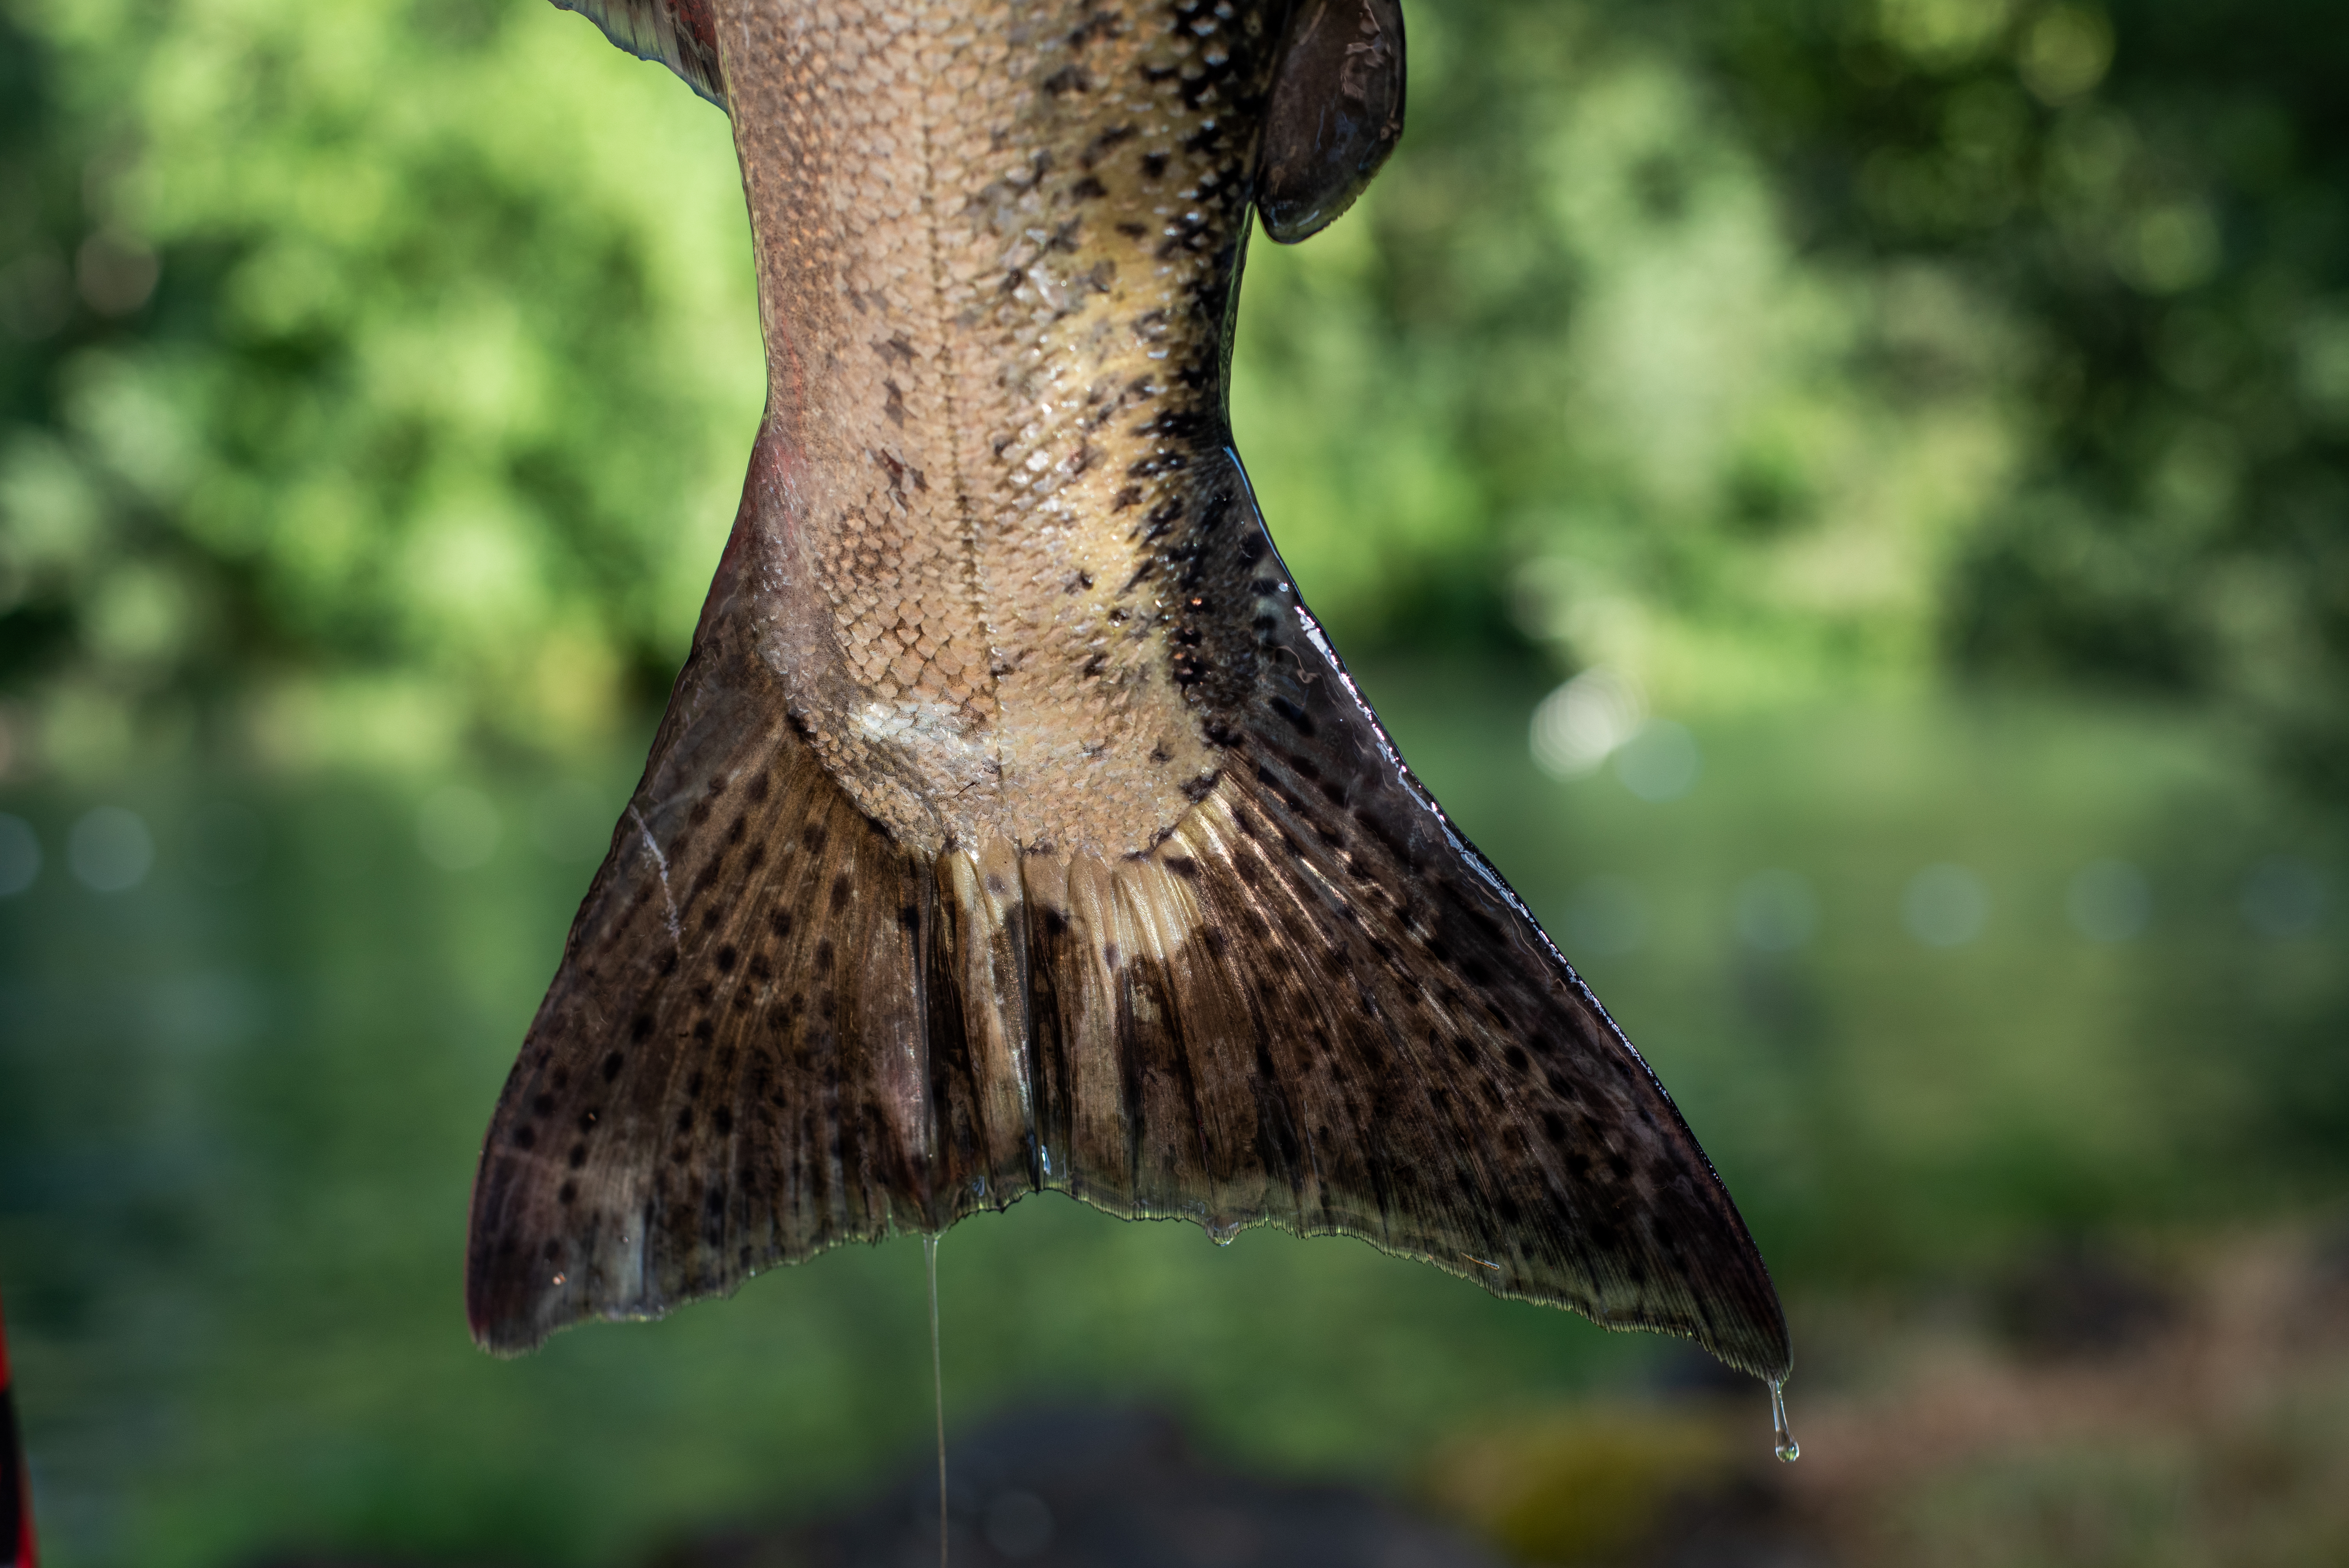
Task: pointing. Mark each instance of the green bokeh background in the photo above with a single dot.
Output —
(1940, 408)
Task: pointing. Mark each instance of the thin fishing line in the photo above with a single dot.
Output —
(938, 1387)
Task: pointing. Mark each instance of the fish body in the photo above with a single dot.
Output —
(1013, 825)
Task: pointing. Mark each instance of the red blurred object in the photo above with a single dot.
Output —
(16, 1486)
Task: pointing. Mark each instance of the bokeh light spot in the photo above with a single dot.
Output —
(1580, 725)
(110, 850)
(20, 855)
(2286, 896)
(1945, 906)
(1660, 763)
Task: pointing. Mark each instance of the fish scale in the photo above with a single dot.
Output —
(989, 461)
(1013, 826)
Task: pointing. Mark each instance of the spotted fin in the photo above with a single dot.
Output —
(1311, 1005)
(1336, 112)
(680, 34)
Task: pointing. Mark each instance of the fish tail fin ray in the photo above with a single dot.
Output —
(1311, 1004)
(680, 34)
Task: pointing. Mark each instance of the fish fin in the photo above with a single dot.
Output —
(1335, 113)
(1311, 1004)
(735, 1063)
(680, 34)
(1381, 1041)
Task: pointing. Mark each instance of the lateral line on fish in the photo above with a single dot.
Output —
(934, 1128)
(966, 515)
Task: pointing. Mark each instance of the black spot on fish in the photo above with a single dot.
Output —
(1116, 136)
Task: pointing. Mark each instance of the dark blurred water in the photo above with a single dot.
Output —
(1934, 982)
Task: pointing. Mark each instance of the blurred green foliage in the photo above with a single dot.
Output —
(379, 380)
(1751, 341)
(375, 383)
(375, 380)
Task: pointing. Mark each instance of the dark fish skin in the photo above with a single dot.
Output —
(1013, 825)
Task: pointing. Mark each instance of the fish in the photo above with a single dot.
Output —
(1013, 825)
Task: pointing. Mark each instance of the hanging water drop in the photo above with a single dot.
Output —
(1221, 1232)
(1789, 1448)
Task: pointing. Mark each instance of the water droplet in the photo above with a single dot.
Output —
(1221, 1232)
(1789, 1448)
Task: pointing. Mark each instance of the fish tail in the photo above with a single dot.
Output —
(1311, 1004)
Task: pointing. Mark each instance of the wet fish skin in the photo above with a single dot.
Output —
(1013, 825)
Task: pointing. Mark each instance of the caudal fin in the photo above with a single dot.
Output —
(1312, 1004)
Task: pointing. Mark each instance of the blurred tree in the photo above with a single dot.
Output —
(1766, 338)
(376, 378)
(2160, 195)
